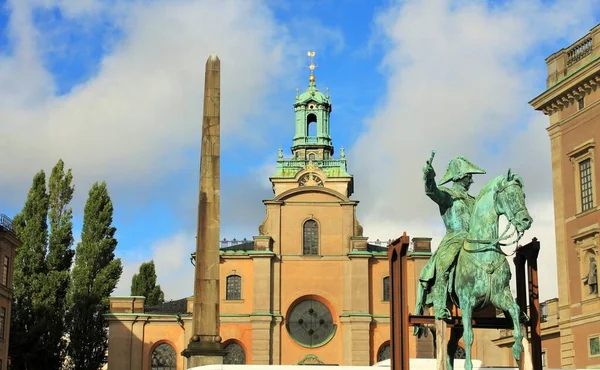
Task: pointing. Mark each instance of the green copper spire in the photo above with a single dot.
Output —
(312, 148)
(312, 108)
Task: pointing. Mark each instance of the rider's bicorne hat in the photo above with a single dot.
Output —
(458, 168)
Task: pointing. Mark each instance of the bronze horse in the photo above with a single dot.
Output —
(482, 275)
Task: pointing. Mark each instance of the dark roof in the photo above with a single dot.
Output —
(376, 248)
(176, 307)
(249, 246)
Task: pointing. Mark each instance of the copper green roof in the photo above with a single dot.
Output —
(312, 94)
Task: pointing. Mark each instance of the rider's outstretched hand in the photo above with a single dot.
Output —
(428, 170)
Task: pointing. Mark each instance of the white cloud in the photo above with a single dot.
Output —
(457, 84)
(131, 122)
(174, 271)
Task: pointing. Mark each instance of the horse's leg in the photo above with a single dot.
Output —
(467, 315)
(505, 301)
(455, 335)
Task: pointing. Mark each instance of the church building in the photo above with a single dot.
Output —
(308, 289)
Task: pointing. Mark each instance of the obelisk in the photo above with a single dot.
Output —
(205, 346)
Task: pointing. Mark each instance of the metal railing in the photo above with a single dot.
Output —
(6, 223)
(229, 243)
(292, 163)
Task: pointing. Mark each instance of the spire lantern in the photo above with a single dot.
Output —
(312, 140)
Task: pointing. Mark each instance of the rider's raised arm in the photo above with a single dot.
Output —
(442, 198)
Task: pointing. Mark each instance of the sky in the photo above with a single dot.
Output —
(115, 89)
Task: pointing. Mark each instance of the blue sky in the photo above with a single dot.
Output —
(114, 88)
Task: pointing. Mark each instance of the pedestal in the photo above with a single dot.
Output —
(204, 353)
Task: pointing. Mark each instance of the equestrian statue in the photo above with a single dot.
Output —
(469, 268)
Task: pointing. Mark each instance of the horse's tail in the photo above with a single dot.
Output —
(418, 330)
(419, 307)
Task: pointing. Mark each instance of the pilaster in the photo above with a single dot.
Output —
(567, 353)
(559, 216)
(261, 339)
(356, 340)
(137, 345)
(276, 329)
(261, 296)
(360, 282)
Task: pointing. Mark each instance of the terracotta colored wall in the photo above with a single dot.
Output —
(243, 268)
(378, 269)
(552, 348)
(581, 346)
(167, 332)
(239, 332)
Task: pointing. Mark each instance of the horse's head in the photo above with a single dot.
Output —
(510, 201)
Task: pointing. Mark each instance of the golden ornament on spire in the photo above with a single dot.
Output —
(312, 66)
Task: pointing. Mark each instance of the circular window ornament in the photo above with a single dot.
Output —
(310, 323)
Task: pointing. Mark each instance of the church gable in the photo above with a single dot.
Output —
(313, 196)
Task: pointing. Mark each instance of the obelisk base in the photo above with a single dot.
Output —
(204, 353)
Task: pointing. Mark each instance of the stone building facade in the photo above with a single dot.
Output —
(8, 250)
(572, 103)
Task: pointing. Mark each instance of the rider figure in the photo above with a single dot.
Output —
(455, 206)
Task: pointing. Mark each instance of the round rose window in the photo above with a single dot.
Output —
(310, 323)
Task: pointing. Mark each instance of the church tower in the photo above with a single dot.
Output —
(312, 140)
(312, 147)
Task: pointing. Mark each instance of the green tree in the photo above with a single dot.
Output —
(94, 277)
(29, 291)
(58, 262)
(144, 284)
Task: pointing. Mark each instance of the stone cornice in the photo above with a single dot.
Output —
(565, 93)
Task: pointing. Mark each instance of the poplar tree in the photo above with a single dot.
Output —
(144, 284)
(94, 277)
(28, 323)
(58, 262)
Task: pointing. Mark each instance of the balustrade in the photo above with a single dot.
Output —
(579, 51)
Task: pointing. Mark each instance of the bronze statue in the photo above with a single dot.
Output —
(455, 206)
(471, 269)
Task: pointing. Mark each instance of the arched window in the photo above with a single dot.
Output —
(384, 352)
(234, 287)
(235, 354)
(311, 125)
(311, 238)
(164, 358)
(312, 157)
(386, 289)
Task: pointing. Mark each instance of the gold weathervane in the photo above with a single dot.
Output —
(312, 66)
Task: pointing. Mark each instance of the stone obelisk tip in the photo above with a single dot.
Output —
(213, 63)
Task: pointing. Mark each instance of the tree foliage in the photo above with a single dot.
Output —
(29, 291)
(144, 284)
(94, 277)
(41, 273)
(58, 262)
